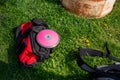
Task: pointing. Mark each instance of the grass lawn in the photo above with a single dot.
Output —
(72, 30)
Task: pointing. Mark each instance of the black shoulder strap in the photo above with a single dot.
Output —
(91, 52)
(87, 52)
(19, 37)
(108, 54)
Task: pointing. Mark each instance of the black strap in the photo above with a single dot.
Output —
(111, 68)
(109, 54)
(37, 22)
(21, 47)
(91, 52)
(87, 52)
(20, 36)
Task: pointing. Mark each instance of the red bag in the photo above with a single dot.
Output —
(29, 51)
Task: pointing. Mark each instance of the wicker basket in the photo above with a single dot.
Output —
(89, 8)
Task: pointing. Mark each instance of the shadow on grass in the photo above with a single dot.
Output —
(70, 61)
(3, 72)
(53, 1)
(2, 2)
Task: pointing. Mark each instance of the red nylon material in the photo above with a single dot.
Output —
(27, 56)
(26, 26)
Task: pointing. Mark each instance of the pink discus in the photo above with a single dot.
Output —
(48, 38)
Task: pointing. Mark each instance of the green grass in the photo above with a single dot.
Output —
(72, 30)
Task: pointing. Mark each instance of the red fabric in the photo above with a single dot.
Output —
(26, 26)
(27, 56)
